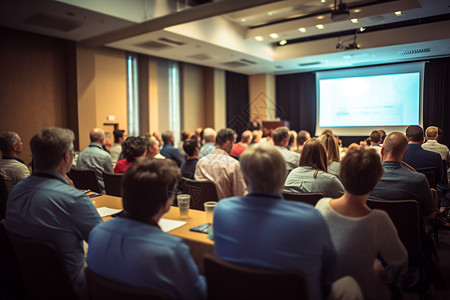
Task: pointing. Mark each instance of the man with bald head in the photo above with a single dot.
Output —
(94, 157)
(399, 183)
(240, 147)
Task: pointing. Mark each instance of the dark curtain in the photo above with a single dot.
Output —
(296, 100)
(436, 96)
(237, 103)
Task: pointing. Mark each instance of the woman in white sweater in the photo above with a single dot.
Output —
(360, 234)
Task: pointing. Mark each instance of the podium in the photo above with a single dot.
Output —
(271, 125)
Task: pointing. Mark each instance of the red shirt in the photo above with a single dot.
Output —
(121, 166)
(238, 149)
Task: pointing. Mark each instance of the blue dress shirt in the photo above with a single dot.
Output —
(421, 159)
(173, 153)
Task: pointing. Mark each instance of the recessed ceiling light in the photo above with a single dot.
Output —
(320, 26)
(320, 17)
(283, 42)
(354, 21)
(361, 29)
(302, 29)
(323, 1)
(398, 13)
(356, 10)
(269, 14)
(243, 20)
(258, 38)
(273, 35)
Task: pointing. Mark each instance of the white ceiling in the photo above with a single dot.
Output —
(221, 34)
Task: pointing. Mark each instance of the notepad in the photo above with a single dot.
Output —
(106, 211)
(168, 225)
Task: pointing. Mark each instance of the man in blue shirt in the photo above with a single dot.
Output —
(133, 250)
(169, 151)
(44, 206)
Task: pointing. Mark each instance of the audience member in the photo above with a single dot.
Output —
(280, 139)
(133, 148)
(383, 135)
(188, 167)
(220, 168)
(419, 158)
(431, 135)
(44, 206)
(292, 144)
(295, 237)
(375, 141)
(257, 135)
(94, 157)
(312, 176)
(240, 147)
(267, 135)
(169, 151)
(209, 137)
(255, 124)
(302, 137)
(133, 250)
(362, 235)
(12, 168)
(333, 153)
(184, 136)
(116, 148)
(153, 148)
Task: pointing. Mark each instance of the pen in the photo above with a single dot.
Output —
(204, 227)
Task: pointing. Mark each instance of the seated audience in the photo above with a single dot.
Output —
(267, 135)
(362, 235)
(312, 176)
(132, 249)
(133, 148)
(191, 149)
(209, 137)
(375, 141)
(257, 135)
(12, 168)
(295, 237)
(333, 153)
(94, 157)
(153, 148)
(116, 148)
(255, 124)
(44, 206)
(383, 135)
(220, 168)
(302, 137)
(431, 135)
(280, 140)
(292, 144)
(169, 151)
(184, 136)
(240, 147)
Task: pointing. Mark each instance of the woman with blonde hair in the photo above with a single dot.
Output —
(333, 154)
(311, 176)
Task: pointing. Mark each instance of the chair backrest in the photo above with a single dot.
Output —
(200, 191)
(100, 288)
(85, 179)
(113, 183)
(230, 281)
(42, 268)
(308, 198)
(431, 177)
(3, 197)
(405, 216)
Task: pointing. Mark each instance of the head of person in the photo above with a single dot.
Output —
(134, 147)
(184, 135)
(327, 131)
(257, 135)
(209, 135)
(190, 147)
(148, 187)
(263, 168)
(10, 144)
(167, 137)
(292, 138)
(314, 155)
(246, 137)
(332, 147)
(360, 170)
(118, 136)
(394, 147)
(280, 136)
(302, 137)
(52, 148)
(414, 133)
(431, 133)
(152, 146)
(375, 137)
(97, 135)
(383, 135)
(225, 139)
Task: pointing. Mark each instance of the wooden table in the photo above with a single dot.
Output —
(198, 243)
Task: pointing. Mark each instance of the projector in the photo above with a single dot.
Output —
(340, 13)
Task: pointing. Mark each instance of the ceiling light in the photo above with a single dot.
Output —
(273, 35)
(243, 20)
(398, 13)
(283, 42)
(320, 26)
(361, 29)
(269, 14)
(258, 38)
(302, 29)
(320, 17)
(323, 1)
(354, 21)
(356, 10)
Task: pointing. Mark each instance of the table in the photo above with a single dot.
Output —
(198, 243)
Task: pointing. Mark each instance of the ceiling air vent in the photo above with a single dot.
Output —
(200, 56)
(234, 64)
(173, 42)
(414, 51)
(248, 61)
(310, 64)
(52, 22)
(153, 45)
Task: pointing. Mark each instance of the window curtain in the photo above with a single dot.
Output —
(237, 101)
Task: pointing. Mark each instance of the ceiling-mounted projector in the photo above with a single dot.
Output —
(340, 12)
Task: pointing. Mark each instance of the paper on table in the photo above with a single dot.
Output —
(106, 211)
(168, 225)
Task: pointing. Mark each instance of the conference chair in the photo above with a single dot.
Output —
(3, 198)
(200, 191)
(113, 183)
(431, 177)
(42, 268)
(85, 180)
(308, 198)
(100, 288)
(231, 281)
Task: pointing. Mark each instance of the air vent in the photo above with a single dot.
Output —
(173, 42)
(377, 18)
(52, 22)
(248, 61)
(153, 45)
(414, 51)
(310, 64)
(234, 64)
(200, 56)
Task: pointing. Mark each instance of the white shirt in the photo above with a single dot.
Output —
(292, 158)
(12, 172)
